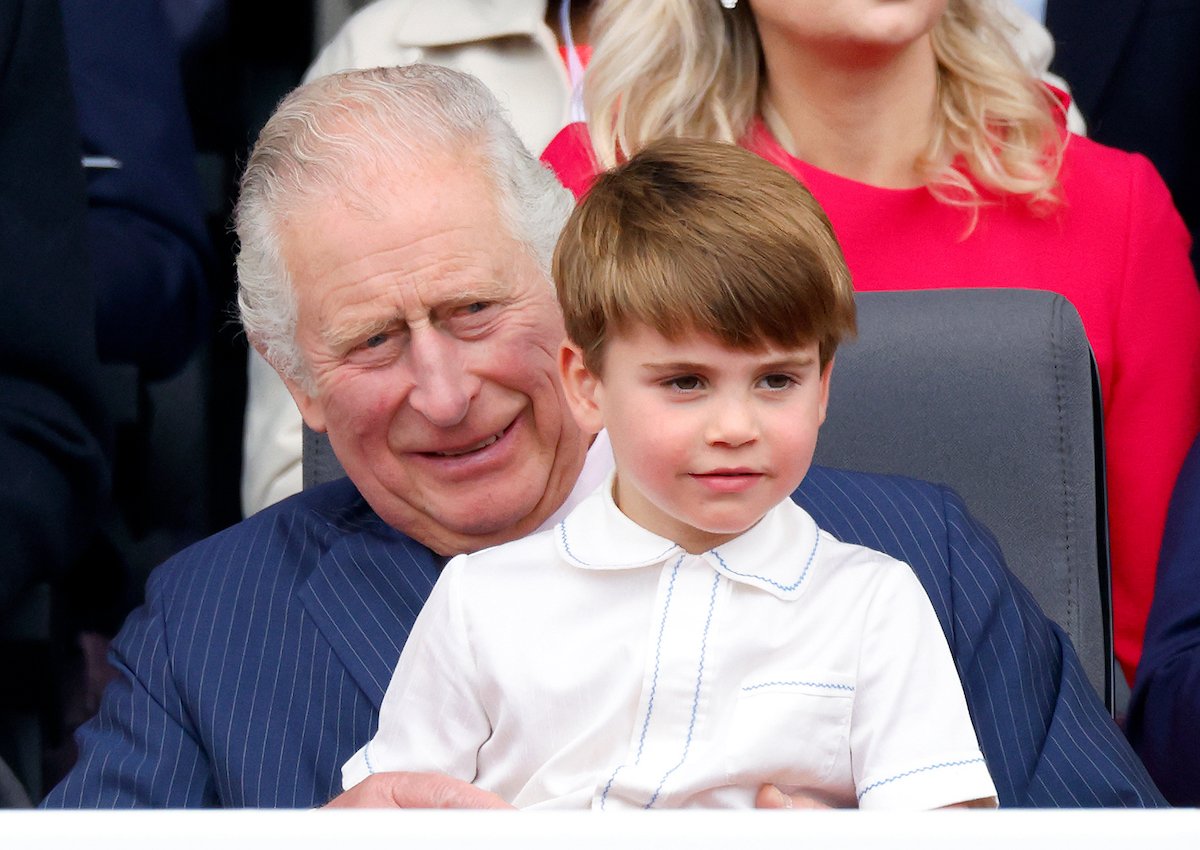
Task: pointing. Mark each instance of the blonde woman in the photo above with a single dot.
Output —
(942, 163)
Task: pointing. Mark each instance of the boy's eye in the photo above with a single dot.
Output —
(685, 383)
(777, 382)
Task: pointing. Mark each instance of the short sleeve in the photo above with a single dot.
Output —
(432, 718)
(911, 739)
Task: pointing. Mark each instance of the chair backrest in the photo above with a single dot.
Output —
(993, 392)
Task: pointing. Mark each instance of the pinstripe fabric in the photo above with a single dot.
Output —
(258, 663)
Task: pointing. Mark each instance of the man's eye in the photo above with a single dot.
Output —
(777, 382)
(476, 307)
(375, 341)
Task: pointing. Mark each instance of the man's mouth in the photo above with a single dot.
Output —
(466, 450)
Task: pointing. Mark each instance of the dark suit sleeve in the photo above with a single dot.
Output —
(142, 749)
(52, 428)
(145, 226)
(1164, 711)
(1048, 739)
(1045, 733)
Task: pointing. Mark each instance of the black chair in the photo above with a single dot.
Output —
(994, 392)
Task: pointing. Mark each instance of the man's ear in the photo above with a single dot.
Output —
(311, 407)
(826, 373)
(580, 387)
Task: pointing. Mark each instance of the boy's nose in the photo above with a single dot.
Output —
(732, 423)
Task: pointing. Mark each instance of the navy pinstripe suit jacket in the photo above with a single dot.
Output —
(258, 663)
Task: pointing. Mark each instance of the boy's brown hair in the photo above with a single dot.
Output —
(693, 236)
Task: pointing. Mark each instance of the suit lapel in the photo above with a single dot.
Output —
(1089, 37)
(364, 595)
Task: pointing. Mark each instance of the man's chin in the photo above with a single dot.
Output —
(459, 529)
(507, 522)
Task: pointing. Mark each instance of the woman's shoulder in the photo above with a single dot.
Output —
(1094, 171)
(1122, 193)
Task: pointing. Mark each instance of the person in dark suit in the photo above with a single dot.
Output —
(1132, 68)
(53, 429)
(1164, 710)
(395, 245)
(146, 237)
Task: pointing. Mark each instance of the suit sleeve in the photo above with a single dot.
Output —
(141, 750)
(911, 739)
(52, 425)
(1048, 740)
(1164, 711)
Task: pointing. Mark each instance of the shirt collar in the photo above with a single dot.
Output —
(597, 466)
(461, 21)
(775, 555)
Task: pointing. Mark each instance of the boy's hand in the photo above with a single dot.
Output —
(770, 797)
(415, 791)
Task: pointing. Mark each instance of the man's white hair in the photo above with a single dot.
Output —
(328, 135)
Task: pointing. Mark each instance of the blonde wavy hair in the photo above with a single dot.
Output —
(690, 69)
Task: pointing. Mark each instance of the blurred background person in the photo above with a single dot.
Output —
(1164, 711)
(1133, 71)
(53, 427)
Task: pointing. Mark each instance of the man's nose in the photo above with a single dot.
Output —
(731, 422)
(442, 385)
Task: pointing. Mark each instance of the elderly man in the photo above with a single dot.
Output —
(395, 239)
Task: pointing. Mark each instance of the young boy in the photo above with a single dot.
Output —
(687, 634)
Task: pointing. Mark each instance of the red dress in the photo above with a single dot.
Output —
(1116, 249)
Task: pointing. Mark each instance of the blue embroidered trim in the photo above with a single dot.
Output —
(367, 758)
(786, 588)
(562, 533)
(875, 785)
(662, 625)
(712, 601)
(803, 684)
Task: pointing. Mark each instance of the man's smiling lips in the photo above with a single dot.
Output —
(463, 451)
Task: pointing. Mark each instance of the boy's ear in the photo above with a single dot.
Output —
(824, 400)
(581, 388)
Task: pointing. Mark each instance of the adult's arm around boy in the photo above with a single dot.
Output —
(1046, 735)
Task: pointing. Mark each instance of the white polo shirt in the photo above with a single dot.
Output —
(600, 665)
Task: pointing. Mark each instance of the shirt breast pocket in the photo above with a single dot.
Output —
(789, 729)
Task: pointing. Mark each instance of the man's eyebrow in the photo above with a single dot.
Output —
(351, 333)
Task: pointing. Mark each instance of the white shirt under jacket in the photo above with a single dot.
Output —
(599, 665)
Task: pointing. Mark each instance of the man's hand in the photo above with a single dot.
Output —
(770, 797)
(415, 791)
